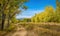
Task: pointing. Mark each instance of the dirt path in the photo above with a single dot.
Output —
(20, 32)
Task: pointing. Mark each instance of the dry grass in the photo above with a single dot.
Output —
(39, 29)
(43, 29)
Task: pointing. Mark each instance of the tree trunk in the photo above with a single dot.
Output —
(8, 24)
(3, 21)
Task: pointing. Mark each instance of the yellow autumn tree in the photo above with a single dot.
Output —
(46, 16)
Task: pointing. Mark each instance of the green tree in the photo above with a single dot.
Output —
(9, 9)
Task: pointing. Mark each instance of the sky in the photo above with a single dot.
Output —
(36, 6)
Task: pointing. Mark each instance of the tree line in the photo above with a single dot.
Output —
(49, 14)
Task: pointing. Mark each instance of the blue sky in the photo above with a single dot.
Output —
(36, 6)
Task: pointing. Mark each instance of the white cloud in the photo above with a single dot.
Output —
(28, 13)
(23, 17)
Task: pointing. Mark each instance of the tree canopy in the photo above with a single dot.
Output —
(9, 9)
